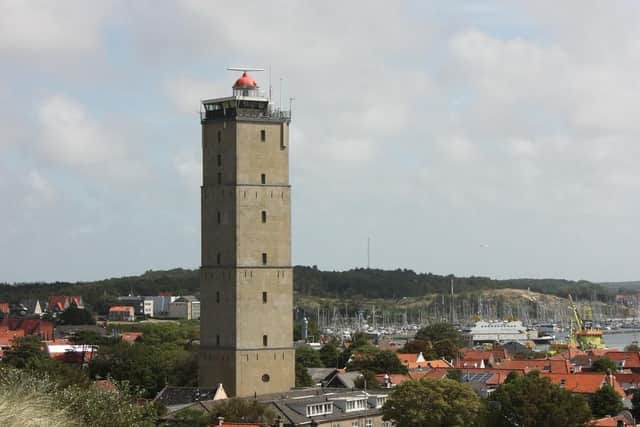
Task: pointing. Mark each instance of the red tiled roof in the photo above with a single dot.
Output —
(130, 336)
(609, 422)
(542, 365)
(628, 378)
(598, 352)
(393, 378)
(409, 360)
(127, 308)
(477, 354)
(438, 363)
(62, 302)
(631, 358)
(468, 363)
(44, 328)
(501, 354)
(584, 382)
(498, 375)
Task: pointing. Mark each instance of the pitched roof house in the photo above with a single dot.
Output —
(59, 303)
(625, 359)
(43, 328)
(542, 365)
(122, 313)
(584, 382)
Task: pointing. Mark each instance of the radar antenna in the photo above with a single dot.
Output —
(245, 69)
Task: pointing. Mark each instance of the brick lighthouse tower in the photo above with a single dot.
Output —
(246, 282)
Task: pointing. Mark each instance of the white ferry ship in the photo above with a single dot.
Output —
(498, 331)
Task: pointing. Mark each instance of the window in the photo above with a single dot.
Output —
(218, 297)
(218, 258)
(219, 136)
(355, 405)
(219, 159)
(354, 423)
(265, 378)
(263, 135)
(265, 340)
(217, 339)
(386, 424)
(219, 215)
(219, 178)
(264, 297)
(368, 422)
(263, 179)
(319, 409)
(264, 259)
(264, 216)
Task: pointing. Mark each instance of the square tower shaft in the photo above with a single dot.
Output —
(246, 275)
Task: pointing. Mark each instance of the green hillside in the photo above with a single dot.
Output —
(623, 287)
(308, 282)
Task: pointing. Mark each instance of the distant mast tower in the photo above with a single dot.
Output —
(246, 281)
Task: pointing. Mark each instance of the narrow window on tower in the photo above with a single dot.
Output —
(219, 136)
(219, 258)
(218, 297)
(263, 135)
(264, 297)
(264, 258)
(264, 216)
(219, 178)
(265, 340)
(217, 339)
(263, 179)
(219, 215)
(219, 159)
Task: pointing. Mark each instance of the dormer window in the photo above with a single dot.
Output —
(355, 405)
(380, 401)
(316, 409)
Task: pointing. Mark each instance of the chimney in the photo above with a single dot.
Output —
(220, 421)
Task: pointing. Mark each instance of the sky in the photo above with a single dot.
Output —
(475, 138)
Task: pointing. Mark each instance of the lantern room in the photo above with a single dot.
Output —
(246, 86)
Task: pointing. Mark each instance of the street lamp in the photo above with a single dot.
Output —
(366, 399)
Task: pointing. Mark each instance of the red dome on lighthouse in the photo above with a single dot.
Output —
(245, 81)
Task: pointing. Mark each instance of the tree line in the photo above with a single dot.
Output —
(308, 281)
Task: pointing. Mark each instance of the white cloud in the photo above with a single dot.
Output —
(189, 166)
(458, 148)
(186, 93)
(40, 192)
(71, 137)
(44, 27)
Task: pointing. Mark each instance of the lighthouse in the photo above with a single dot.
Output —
(246, 279)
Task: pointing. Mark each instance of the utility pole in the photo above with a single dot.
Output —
(452, 309)
(368, 253)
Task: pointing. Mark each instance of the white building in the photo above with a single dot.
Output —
(187, 307)
(161, 304)
(148, 307)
